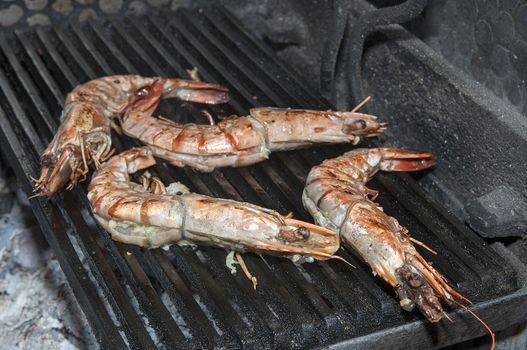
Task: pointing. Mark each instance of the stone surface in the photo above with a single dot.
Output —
(176, 4)
(86, 14)
(10, 15)
(110, 6)
(35, 5)
(157, 3)
(23, 13)
(137, 8)
(64, 7)
(38, 19)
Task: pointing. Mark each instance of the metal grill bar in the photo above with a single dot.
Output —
(226, 309)
(55, 230)
(184, 298)
(131, 316)
(146, 299)
(145, 57)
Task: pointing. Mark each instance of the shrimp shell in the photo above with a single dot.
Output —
(84, 133)
(140, 215)
(337, 198)
(240, 141)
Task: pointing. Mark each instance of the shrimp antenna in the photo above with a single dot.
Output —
(423, 245)
(447, 317)
(359, 106)
(492, 335)
(39, 194)
(336, 257)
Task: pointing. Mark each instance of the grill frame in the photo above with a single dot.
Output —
(306, 319)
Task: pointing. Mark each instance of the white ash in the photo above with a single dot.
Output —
(137, 8)
(86, 14)
(110, 6)
(10, 15)
(35, 5)
(64, 7)
(157, 3)
(37, 307)
(38, 19)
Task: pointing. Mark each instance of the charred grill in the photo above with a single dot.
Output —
(187, 298)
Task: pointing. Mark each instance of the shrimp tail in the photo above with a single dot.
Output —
(394, 159)
(195, 91)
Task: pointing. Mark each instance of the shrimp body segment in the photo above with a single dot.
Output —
(84, 134)
(150, 215)
(337, 198)
(240, 141)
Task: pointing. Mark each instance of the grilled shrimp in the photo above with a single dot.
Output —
(150, 215)
(240, 141)
(337, 197)
(84, 133)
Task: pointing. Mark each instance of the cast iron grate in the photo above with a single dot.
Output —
(183, 298)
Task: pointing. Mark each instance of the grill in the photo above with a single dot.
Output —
(185, 298)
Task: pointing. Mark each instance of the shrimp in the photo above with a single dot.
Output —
(150, 215)
(84, 133)
(239, 141)
(337, 197)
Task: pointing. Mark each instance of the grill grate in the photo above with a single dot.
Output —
(187, 298)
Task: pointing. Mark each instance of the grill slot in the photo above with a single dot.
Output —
(184, 297)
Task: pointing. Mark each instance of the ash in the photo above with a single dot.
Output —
(37, 307)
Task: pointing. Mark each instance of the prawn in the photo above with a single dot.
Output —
(84, 134)
(240, 140)
(151, 215)
(337, 197)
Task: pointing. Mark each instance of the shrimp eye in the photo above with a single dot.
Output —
(143, 91)
(359, 124)
(303, 232)
(47, 160)
(355, 126)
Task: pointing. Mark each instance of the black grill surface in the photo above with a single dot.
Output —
(185, 298)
